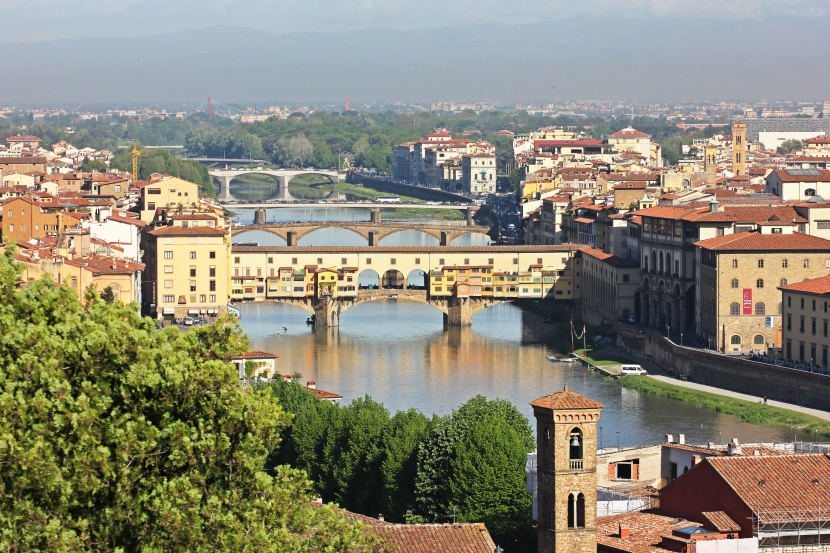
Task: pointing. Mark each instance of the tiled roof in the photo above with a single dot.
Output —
(796, 175)
(749, 214)
(257, 355)
(100, 265)
(403, 249)
(665, 212)
(755, 241)
(188, 231)
(721, 522)
(646, 531)
(128, 220)
(566, 399)
(31, 160)
(322, 394)
(608, 258)
(629, 132)
(794, 483)
(819, 285)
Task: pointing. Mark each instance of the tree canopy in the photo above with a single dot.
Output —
(115, 436)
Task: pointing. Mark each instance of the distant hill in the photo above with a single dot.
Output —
(627, 59)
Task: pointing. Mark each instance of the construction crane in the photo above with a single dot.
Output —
(136, 153)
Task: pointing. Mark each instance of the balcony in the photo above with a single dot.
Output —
(576, 464)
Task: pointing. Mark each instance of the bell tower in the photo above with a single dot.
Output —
(566, 461)
(710, 164)
(739, 148)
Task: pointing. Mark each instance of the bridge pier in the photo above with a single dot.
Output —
(259, 216)
(373, 238)
(459, 312)
(471, 211)
(375, 216)
(291, 238)
(225, 183)
(445, 238)
(327, 311)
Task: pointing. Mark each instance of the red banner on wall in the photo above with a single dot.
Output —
(747, 301)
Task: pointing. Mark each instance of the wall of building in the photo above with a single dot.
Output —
(731, 373)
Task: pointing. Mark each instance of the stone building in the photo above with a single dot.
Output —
(566, 445)
(805, 321)
(739, 304)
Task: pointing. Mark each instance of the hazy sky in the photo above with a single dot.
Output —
(37, 20)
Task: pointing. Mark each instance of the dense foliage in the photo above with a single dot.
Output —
(160, 161)
(468, 466)
(115, 436)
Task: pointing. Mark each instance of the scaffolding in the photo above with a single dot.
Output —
(793, 529)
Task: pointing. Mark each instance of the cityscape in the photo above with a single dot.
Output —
(511, 317)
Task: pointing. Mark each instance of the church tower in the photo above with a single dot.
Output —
(710, 164)
(566, 464)
(739, 148)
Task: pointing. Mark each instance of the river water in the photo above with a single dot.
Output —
(401, 355)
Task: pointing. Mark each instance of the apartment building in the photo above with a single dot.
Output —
(478, 173)
(806, 321)
(167, 195)
(187, 268)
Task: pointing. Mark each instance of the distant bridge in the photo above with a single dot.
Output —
(281, 176)
(372, 231)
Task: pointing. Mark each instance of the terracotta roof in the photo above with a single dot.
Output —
(608, 258)
(566, 399)
(749, 214)
(665, 212)
(257, 355)
(128, 220)
(802, 175)
(647, 531)
(721, 522)
(31, 160)
(188, 231)
(755, 241)
(23, 139)
(322, 394)
(819, 285)
(585, 220)
(403, 249)
(777, 483)
(100, 265)
(629, 132)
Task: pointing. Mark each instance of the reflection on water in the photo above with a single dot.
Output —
(400, 354)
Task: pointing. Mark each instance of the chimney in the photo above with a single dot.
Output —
(625, 532)
(318, 499)
(380, 517)
(681, 439)
(311, 385)
(713, 205)
(669, 438)
(695, 460)
(734, 447)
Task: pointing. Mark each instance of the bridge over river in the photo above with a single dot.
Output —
(457, 280)
(281, 176)
(373, 231)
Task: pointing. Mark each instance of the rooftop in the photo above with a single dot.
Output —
(567, 399)
(755, 241)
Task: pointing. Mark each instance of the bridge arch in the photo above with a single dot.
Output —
(345, 237)
(474, 236)
(393, 279)
(333, 179)
(411, 236)
(416, 279)
(368, 279)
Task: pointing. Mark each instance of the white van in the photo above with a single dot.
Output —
(633, 370)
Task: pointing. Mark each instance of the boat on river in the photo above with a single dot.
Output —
(568, 360)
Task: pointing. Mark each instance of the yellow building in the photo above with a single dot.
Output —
(806, 328)
(187, 270)
(169, 194)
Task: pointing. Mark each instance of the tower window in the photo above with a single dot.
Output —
(575, 449)
(576, 510)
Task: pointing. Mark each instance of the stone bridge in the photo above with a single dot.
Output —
(281, 176)
(373, 232)
(327, 310)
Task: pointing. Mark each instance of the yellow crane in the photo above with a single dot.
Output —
(136, 153)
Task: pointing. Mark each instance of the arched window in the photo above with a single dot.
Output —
(734, 283)
(575, 445)
(784, 263)
(735, 340)
(760, 263)
(759, 283)
(783, 282)
(576, 510)
(760, 308)
(806, 263)
(735, 309)
(734, 263)
(810, 192)
(758, 340)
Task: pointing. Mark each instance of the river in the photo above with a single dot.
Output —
(400, 354)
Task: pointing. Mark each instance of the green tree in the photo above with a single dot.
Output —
(89, 166)
(790, 145)
(108, 295)
(457, 442)
(399, 462)
(117, 437)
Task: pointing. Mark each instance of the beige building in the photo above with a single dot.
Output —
(739, 305)
(187, 269)
(806, 319)
(478, 173)
(609, 283)
(169, 194)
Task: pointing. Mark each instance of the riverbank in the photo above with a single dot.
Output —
(755, 412)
